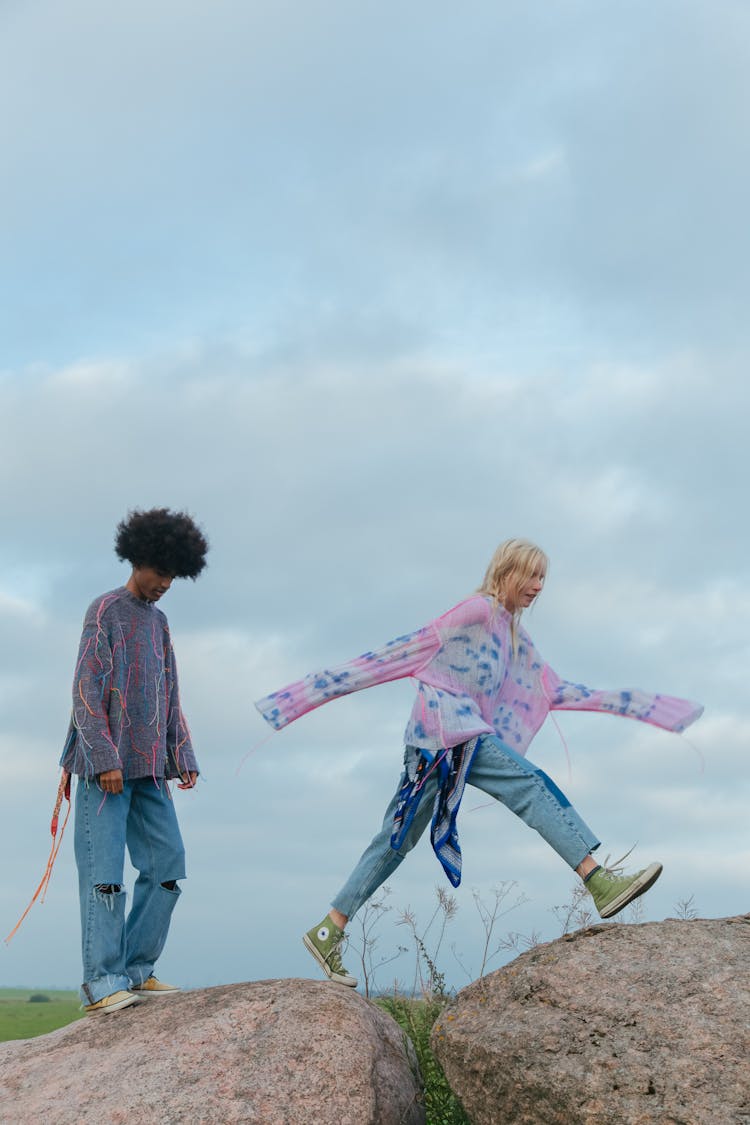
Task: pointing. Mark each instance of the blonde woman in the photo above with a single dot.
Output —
(483, 691)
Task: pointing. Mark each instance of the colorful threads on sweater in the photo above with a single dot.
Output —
(126, 703)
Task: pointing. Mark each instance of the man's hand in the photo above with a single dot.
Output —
(188, 780)
(111, 781)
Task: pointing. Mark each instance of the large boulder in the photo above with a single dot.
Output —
(613, 1025)
(279, 1052)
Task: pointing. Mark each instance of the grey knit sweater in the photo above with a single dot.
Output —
(126, 702)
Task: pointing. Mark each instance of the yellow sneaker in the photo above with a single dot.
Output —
(154, 987)
(113, 1003)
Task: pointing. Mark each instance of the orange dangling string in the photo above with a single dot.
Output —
(63, 791)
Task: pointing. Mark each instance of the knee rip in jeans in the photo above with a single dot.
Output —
(170, 885)
(106, 892)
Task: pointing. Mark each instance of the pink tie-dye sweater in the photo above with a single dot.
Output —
(471, 680)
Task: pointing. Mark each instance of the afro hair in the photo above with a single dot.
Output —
(169, 542)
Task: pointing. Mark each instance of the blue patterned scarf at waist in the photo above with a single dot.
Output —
(451, 769)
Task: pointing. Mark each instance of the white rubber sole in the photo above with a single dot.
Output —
(160, 994)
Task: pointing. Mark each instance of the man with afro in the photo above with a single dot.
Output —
(127, 739)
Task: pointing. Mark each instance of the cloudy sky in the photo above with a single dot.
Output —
(368, 288)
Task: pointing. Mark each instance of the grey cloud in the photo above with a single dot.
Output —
(508, 173)
(488, 290)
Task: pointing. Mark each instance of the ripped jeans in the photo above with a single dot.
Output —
(120, 951)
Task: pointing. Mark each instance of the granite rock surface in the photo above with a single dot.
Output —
(614, 1025)
(278, 1052)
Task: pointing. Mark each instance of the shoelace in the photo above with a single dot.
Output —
(334, 957)
(616, 868)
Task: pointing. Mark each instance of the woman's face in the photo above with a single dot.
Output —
(523, 590)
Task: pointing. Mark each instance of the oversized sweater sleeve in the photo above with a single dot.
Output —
(402, 657)
(180, 755)
(666, 711)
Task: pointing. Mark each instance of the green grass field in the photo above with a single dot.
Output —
(20, 1019)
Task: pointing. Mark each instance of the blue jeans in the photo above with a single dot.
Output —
(119, 951)
(523, 787)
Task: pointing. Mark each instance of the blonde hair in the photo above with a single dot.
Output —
(514, 562)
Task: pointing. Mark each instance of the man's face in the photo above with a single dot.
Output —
(149, 584)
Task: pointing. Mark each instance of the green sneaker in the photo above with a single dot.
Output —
(612, 892)
(323, 942)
